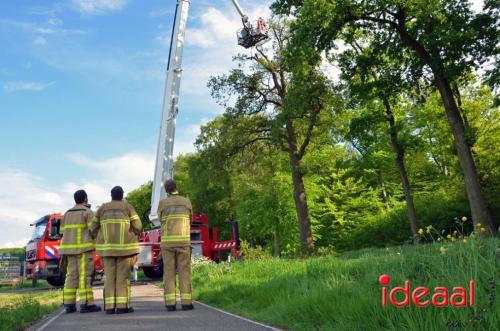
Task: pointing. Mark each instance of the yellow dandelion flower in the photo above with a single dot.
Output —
(442, 249)
(483, 230)
(420, 231)
(465, 241)
(455, 232)
(464, 219)
(448, 236)
(478, 225)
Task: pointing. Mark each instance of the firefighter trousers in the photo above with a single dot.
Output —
(117, 281)
(79, 275)
(177, 258)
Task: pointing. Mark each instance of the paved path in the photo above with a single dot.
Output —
(149, 314)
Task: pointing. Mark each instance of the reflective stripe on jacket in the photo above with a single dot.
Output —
(117, 226)
(175, 214)
(75, 229)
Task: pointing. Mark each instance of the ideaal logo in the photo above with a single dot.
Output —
(422, 296)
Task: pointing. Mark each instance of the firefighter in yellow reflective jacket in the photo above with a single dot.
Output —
(175, 213)
(77, 246)
(117, 226)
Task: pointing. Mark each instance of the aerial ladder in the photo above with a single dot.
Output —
(204, 239)
(248, 36)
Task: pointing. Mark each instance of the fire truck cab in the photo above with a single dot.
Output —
(42, 252)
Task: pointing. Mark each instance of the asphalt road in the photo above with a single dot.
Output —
(149, 314)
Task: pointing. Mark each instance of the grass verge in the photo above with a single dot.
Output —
(343, 293)
(27, 284)
(18, 311)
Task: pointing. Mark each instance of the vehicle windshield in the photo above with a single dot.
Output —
(39, 230)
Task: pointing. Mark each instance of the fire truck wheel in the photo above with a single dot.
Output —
(56, 281)
(153, 273)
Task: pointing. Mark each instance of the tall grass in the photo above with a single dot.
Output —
(18, 311)
(342, 292)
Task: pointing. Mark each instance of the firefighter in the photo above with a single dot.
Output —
(175, 213)
(77, 246)
(117, 227)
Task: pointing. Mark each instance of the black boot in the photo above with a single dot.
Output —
(124, 310)
(89, 308)
(187, 307)
(171, 307)
(110, 311)
(71, 308)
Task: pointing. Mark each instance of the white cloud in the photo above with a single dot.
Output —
(36, 29)
(133, 166)
(15, 244)
(186, 136)
(10, 87)
(40, 41)
(98, 6)
(129, 170)
(24, 198)
(55, 21)
(216, 27)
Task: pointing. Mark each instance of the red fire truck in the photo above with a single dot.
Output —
(204, 242)
(42, 256)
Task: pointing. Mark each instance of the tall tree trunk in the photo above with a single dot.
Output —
(479, 209)
(299, 194)
(477, 202)
(277, 238)
(277, 232)
(400, 162)
(385, 197)
(458, 96)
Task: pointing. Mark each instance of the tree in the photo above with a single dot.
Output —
(271, 107)
(204, 179)
(443, 39)
(140, 198)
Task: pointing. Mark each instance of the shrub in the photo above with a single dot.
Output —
(253, 253)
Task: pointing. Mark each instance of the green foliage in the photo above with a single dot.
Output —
(391, 228)
(343, 293)
(343, 149)
(203, 179)
(17, 250)
(17, 312)
(140, 198)
(253, 253)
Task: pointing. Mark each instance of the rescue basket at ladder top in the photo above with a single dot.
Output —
(251, 36)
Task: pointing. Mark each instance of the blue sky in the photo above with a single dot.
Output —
(81, 86)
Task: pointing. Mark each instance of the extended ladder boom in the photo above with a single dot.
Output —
(164, 157)
(238, 8)
(164, 168)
